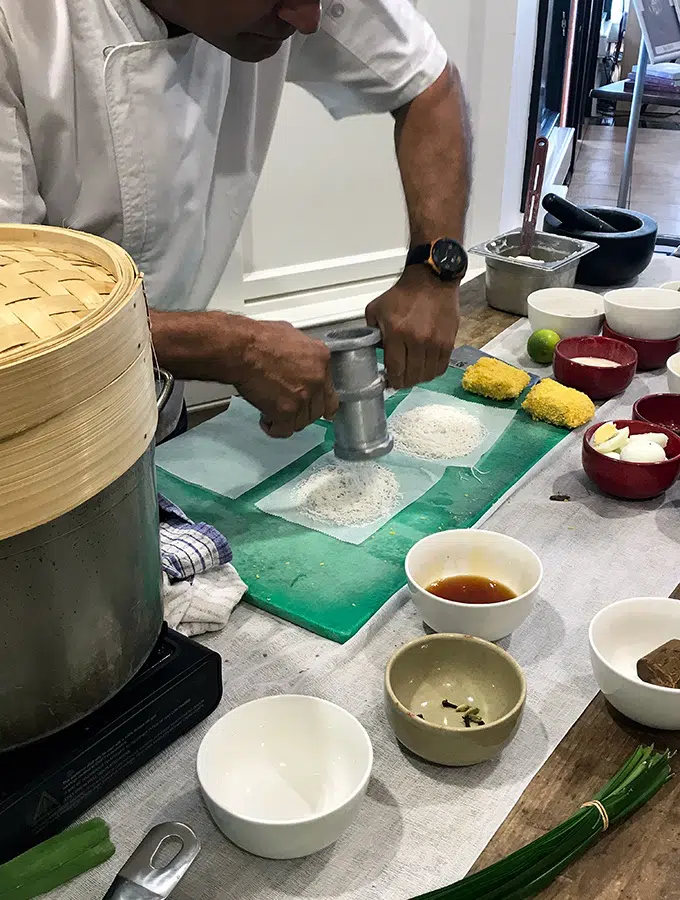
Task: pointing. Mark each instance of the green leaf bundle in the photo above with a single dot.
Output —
(530, 870)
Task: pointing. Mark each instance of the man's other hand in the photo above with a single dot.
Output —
(418, 319)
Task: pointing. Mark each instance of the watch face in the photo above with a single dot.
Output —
(450, 258)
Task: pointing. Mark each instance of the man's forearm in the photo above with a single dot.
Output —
(275, 367)
(203, 346)
(433, 140)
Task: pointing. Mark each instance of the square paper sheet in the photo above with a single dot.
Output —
(230, 454)
(493, 419)
(415, 479)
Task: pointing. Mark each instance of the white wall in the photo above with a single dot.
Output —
(493, 44)
(328, 223)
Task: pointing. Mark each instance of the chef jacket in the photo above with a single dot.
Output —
(110, 127)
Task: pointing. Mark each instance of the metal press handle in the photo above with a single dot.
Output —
(139, 879)
(168, 384)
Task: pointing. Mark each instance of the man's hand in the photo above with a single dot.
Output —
(273, 365)
(418, 319)
(287, 378)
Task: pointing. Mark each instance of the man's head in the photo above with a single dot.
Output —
(251, 30)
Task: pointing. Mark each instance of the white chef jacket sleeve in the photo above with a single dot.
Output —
(369, 56)
(20, 200)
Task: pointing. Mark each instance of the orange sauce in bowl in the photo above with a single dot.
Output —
(473, 589)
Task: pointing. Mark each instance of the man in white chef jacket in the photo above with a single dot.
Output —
(147, 122)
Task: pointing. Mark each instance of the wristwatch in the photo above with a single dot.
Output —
(445, 257)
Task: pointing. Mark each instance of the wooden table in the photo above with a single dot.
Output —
(635, 861)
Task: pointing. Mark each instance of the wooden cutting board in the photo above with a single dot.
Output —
(635, 861)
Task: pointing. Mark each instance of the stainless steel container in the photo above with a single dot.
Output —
(509, 281)
(80, 607)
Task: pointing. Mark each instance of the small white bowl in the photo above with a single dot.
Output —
(673, 373)
(671, 286)
(568, 311)
(620, 635)
(284, 777)
(472, 552)
(652, 314)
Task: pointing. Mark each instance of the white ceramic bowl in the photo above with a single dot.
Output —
(284, 777)
(620, 635)
(473, 552)
(652, 314)
(567, 311)
(673, 372)
(671, 286)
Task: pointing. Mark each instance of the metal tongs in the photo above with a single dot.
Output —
(139, 879)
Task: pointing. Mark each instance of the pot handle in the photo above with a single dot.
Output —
(168, 383)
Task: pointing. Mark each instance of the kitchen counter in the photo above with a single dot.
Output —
(421, 826)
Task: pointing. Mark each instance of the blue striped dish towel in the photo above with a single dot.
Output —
(200, 586)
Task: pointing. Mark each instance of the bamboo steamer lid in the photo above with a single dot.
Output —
(77, 389)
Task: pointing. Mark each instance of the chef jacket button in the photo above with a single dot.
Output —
(337, 10)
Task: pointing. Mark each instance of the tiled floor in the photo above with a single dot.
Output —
(656, 174)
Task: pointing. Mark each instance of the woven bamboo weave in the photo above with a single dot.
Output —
(44, 292)
(72, 319)
(77, 393)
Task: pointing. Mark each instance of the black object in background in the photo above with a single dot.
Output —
(574, 217)
(46, 786)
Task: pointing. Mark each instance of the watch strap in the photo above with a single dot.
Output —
(418, 254)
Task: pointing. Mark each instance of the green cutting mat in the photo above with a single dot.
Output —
(333, 588)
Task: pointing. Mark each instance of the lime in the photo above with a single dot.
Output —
(541, 346)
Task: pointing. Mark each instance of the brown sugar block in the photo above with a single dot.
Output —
(662, 666)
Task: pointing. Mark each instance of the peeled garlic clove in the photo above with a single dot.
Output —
(613, 455)
(616, 443)
(643, 452)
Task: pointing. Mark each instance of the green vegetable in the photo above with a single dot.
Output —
(528, 871)
(56, 861)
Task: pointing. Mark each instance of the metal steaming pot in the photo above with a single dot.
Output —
(80, 605)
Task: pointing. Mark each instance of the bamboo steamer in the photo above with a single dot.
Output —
(77, 389)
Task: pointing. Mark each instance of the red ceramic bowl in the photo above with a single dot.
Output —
(598, 384)
(659, 409)
(651, 354)
(627, 480)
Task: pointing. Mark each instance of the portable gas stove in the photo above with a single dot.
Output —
(45, 786)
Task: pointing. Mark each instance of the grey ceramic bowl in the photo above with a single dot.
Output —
(460, 670)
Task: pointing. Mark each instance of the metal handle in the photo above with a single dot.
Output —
(167, 386)
(573, 217)
(534, 192)
(139, 879)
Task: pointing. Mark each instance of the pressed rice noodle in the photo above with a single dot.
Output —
(437, 432)
(348, 494)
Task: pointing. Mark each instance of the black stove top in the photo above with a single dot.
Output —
(45, 786)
